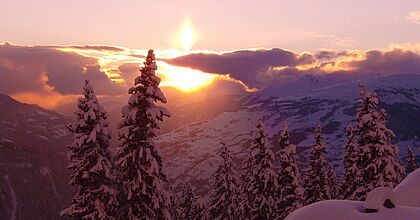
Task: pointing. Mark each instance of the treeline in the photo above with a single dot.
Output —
(130, 183)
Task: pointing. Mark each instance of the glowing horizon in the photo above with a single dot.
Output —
(185, 79)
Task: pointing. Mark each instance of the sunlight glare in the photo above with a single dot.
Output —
(183, 78)
(187, 35)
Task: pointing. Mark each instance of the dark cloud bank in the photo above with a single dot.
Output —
(243, 65)
(29, 69)
(263, 68)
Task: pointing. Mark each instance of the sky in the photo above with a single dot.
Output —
(49, 47)
(301, 25)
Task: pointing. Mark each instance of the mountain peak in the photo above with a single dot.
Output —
(7, 100)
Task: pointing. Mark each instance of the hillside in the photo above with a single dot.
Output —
(31, 125)
(33, 183)
(191, 150)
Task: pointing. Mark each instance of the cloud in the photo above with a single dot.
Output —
(371, 62)
(392, 61)
(242, 65)
(341, 42)
(263, 68)
(129, 71)
(46, 72)
(90, 47)
(326, 54)
(414, 16)
(68, 79)
(41, 69)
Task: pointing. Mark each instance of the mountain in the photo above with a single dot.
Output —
(31, 125)
(191, 151)
(33, 183)
(33, 166)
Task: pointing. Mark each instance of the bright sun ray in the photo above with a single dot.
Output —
(183, 78)
(187, 35)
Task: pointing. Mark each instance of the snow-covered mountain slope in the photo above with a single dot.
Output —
(31, 125)
(191, 151)
(33, 174)
(405, 196)
(33, 183)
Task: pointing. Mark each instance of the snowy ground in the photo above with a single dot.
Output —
(406, 197)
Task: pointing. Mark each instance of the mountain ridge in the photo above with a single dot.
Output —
(191, 151)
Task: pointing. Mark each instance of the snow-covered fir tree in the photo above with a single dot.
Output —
(90, 161)
(377, 157)
(173, 205)
(332, 182)
(288, 176)
(225, 194)
(259, 180)
(315, 179)
(348, 185)
(139, 165)
(189, 206)
(200, 211)
(411, 160)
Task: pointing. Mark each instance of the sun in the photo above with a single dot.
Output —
(185, 79)
(187, 35)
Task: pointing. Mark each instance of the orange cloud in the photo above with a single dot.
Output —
(46, 100)
(52, 76)
(414, 16)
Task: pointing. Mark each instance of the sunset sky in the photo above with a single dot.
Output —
(219, 45)
(301, 25)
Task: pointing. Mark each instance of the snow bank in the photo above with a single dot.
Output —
(377, 197)
(407, 193)
(350, 210)
(406, 197)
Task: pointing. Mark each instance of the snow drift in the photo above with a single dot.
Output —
(406, 197)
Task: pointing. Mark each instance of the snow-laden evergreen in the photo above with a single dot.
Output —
(173, 205)
(332, 182)
(189, 206)
(225, 194)
(288, 176)
(348, 185)
(138, 162)
(259, 181)
(199, 211)
(315, 179)
(377, 163)
(411, 161)
(90, 161)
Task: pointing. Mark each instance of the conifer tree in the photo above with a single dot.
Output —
(315, 179)
(377, 158)
(139, 165)
(332, 182)
(348, 186)
(199, 211)
(259, 180)
(411, 161)
(288, 177)
(189, 206)
(224, 198)
(90, 161)
(173, 206)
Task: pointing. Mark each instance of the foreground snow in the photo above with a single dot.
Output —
(346, 210)
(406, 197)
(407, 193)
